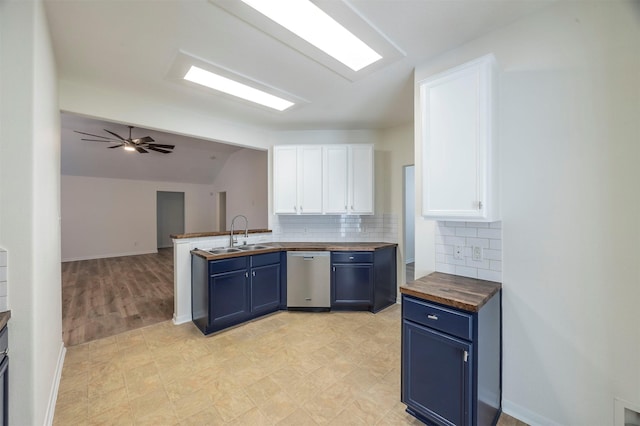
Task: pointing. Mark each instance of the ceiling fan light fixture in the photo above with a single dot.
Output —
(231, 87)
(312, 24)
(129, 148)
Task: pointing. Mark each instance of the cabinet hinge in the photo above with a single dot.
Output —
(466, 356)
(479, 205)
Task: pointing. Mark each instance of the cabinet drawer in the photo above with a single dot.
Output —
(265, 259)
(447, 320)
(352, 257)
(226, 265)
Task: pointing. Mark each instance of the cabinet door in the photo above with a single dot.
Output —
(335, 198)
(310, 180)
(265, 289)
(436, 375)
(457, 143)
(228, 298)
(285, 180)
(352, 285)
(361, 179)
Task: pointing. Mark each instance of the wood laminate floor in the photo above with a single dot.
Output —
(104, 297)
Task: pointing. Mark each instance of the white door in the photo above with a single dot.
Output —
(361, 179)
(310, 180)
(285, 179)
(335, 199)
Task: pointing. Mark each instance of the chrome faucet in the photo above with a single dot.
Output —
(246, 229)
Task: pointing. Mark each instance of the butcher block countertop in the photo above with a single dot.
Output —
(296, 246)
(4, 318)
(464, 293)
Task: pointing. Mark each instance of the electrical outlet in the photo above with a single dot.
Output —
(458, 252)
(477, 253)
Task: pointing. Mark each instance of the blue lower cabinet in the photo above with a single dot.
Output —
(363, 280)
(436, 378)
(451, 362)
(231, 291)
(265, 288)
(228, 299)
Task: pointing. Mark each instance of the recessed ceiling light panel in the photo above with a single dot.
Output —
(234, 88)
(312, 24)
(333, 33)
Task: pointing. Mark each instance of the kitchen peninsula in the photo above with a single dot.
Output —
(186, 244)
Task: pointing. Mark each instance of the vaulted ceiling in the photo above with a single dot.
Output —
(139, 46)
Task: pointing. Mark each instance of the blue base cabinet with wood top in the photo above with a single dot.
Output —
(363, 280)
(231, 291)
(451, 362)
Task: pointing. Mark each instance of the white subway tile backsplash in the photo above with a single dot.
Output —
(484, 274)
(495, 234)
(487, 236)
(466, 271)
(3, 273)
(3, 289)
(467, 232)
(3, 258)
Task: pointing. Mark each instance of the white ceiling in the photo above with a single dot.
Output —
(134, 45)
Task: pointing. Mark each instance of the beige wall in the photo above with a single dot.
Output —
(394, 151)
(244, 179)
(568, 130)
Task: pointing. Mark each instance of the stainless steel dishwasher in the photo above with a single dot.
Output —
(308, 280)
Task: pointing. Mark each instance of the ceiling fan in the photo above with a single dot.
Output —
(139, 144)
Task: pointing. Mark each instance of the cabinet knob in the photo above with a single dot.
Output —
(253, 273)
(246, 275)
(432, 317)
(350, 257)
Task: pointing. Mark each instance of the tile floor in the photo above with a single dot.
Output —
(290, 368)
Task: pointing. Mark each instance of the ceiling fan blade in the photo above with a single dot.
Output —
(100, 140)
(160, 145)
(116, 135)
(164, 151)
(115, 146)
(141, 150)
(89, 134)
(145, 139)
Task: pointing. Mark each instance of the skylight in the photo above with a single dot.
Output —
(309, 22)
(234, 88)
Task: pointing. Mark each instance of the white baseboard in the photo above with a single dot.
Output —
(53, 395)
(181, 319)
(104, 256)
(526, 415)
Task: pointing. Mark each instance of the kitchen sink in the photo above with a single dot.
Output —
(224, 250)
(252, 247)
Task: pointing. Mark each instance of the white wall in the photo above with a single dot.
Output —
(244, 178)
(117, 217)
(30, 209)
(568, 129)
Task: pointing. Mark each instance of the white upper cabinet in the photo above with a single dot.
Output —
(336, 176)
(323, 179)
(457, 110)
(361, 179)
(297, 179)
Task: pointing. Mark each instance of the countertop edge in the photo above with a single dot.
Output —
(300, 246)
(4, 318)
(218, 233)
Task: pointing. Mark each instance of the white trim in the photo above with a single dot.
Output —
(53, 396)
(104, 256)
(525, 415)
(181, 319)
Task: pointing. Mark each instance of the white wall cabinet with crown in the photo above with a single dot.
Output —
(297, 179)
(456, 125)
(323, 179)
(348, 179)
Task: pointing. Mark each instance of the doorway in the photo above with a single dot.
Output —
(170, 216)
(409, 222)
(222, 211)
